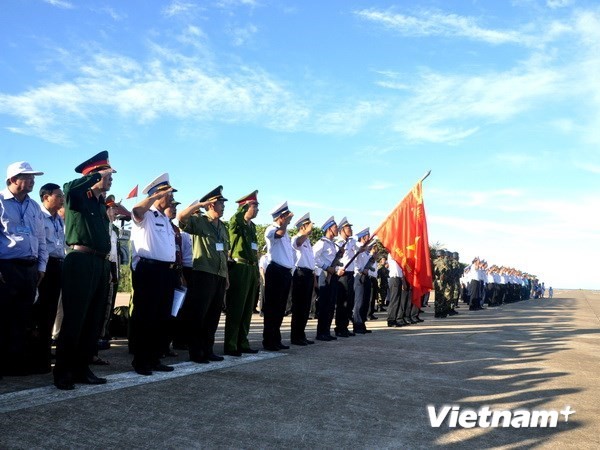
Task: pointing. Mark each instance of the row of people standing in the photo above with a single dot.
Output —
(494, 285)
(33, 260)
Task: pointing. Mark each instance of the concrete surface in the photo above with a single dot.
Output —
(368, 391)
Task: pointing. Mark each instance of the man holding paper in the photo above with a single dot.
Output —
(154, 276)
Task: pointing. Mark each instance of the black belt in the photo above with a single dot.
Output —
(27, 262)
(279, 266)
(304, 270)
(55, 259)
(166, 264)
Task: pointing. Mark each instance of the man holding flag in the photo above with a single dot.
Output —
(404, 234)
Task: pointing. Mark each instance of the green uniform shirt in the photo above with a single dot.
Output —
(206, 239)
(241, 236)
(86, 222)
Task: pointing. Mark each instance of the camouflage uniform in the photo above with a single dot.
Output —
(441, 272)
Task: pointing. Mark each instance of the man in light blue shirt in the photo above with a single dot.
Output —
(23, 258)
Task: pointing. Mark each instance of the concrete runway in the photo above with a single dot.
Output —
(369, 391)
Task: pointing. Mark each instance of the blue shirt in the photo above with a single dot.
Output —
(55, 234)
(22, 233)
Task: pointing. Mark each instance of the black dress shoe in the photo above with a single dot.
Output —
(283, 347)
(322, 337)
(271, 348)
(372, 317)
(298, 342)
(163, 368)
(418, 319)
(251, 351)
(88, 378)
(309, 342)
(215, 358)
(64, 384)
(199, 360)
(232, 353)
(342, 334)
(368, 331)
(143, 370)
(359, 331)
(393, 323)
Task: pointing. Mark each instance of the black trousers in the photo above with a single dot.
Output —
(345, 302)
(277, 288)
(303, 283)
(327, 299)
(16, 299)
(153, 286)
(395, 289)
(44, 314)
(202, 311)
(85, 287)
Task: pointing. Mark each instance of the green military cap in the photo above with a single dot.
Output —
(94, 164)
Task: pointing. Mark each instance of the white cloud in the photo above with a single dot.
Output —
(449, 108)
(176, 86)
(348, 119)
(588, 167)
(433, 23)
(178, 7)
(515, 159)
(554, 4)
(113, 14)
(241, 35)
(235, 3)
(59, 4)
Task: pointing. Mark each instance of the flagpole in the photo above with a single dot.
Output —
(375, 233)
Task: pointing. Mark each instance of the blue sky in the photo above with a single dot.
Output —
(338, 107)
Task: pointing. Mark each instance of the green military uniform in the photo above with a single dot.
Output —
(441, 272)
(86, 275)
(456, 274)
(243, 279)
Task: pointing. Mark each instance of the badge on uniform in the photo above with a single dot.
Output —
(23, 229)
(220, 247)
(254, 246)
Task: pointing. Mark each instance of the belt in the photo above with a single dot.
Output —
(89, 251)
(27, 262)
(55, 259)
(244, 261)
(305, 270)
(166, 264)
(279, 266)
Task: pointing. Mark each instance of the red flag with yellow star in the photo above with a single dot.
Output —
(404, 234)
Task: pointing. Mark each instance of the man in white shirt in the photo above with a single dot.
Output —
(154, 275)
(278, 277)
(303, 280)
(327, 256)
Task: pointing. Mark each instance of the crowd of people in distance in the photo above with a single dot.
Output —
(60, 263)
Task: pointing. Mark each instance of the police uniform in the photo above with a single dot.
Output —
(362, 286)
(204, 300)
(326, 256)
(278, 279)
(243, 279)
(154, 277)
(86, 274)
(345, 293)
(23, 255)
(303, 283)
